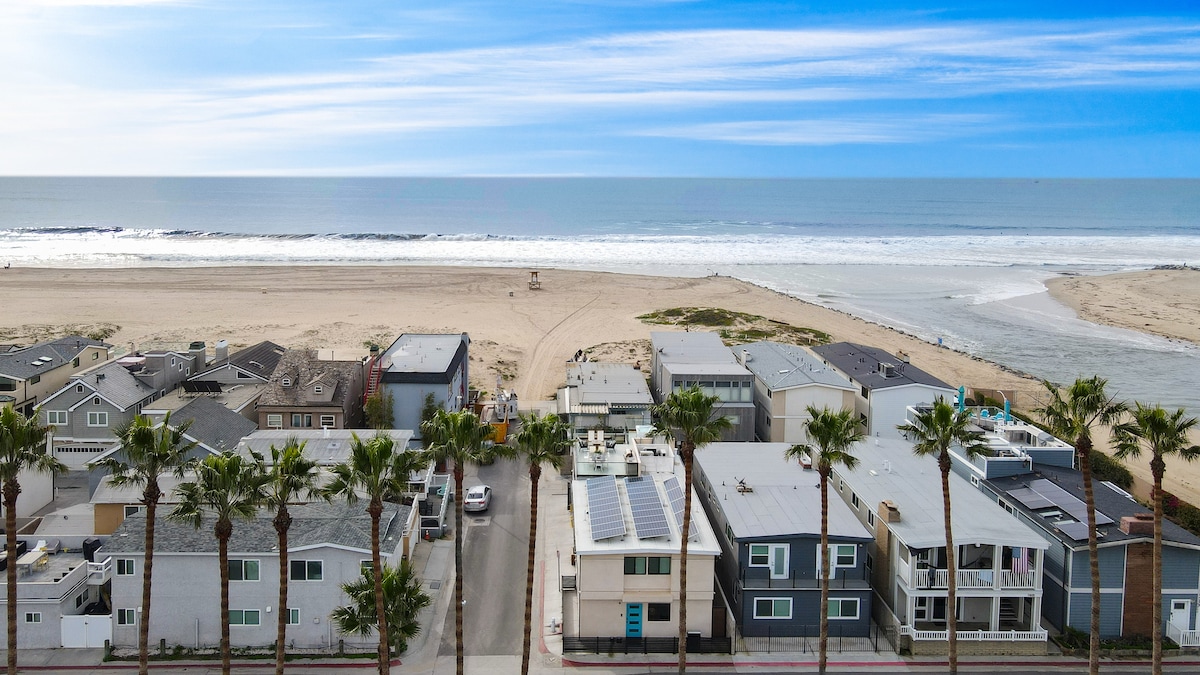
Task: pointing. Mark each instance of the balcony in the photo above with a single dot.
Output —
(930, 578)
(976, 635)
(99, 572)
(759, 578)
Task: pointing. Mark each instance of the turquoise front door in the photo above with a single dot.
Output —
(633, 620)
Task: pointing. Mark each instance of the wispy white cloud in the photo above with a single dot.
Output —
(700, 85)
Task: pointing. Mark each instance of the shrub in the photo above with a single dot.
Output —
(1111, 470)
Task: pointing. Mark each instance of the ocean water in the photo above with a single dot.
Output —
(963, 261)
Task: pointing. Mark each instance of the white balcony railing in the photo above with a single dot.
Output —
(99, 572)
(977, 635)
(1018, 579)
(939, 578)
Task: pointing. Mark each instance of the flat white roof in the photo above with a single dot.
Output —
(888, 470)
(779, 498)
(422, 352)
(324, 446)
(607, 383)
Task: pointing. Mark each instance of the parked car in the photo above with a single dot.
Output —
(478, 498)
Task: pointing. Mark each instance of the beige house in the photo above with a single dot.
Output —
(626, 562)
(309, 392)
(787, 380)
(28, 375)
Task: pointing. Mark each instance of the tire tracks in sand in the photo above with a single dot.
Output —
(541, 371)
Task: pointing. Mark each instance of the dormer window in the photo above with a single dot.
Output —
(287, 381)
(79, 389)
(318, 389)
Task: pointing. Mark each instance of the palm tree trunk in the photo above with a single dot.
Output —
(376, 511)
(688, 452)
(459, 665)
(535, 475)
(11, 490)
(283, 521)
(823, 643)
(223, 530)
(151, 496)
(951, 570)
(1084, 450)
(1158, 468)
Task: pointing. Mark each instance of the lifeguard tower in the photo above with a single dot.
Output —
(534, 284)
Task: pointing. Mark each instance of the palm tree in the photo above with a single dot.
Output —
(378, 470)
(1163, 434)
(933, 432)
(831, 437)
(1070, 415)
(402, 597)
(22, 447)
(542, 440)
(292, 476)
(147, 451)
(688, 414)
(460, 438)
(226, 486)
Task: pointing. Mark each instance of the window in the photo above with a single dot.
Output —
(854, 500)
(729, 533)
(365, 566)
(274, 421)
(97, 419)
(126, 617)
(871, 518)
(75, 362)
(658, 611)
(33, 617)
(318, 389)
(650, 565)
(125, 567)
(95, 355)
(772, 608)
(243, 570)
(244, 617)
(79, 600)
(841, 555)
(132, 509)
(305, 570)
(843, 608)
(95, 400)
(244, 376)
(326, 421)
(293, 616)
(79, 389)
(299, 420)
(774, 556)
(868, 561)
(34, 380)
(1006, 506)
(287, 382)
(58, 417)
(975, 481)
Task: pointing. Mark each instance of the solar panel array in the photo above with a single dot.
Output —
(200, 387)
(1066, 501)
(649, 518)
(604, 506)
(675, 494)
(1076, 531)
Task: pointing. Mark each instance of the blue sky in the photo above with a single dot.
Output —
(599, 88)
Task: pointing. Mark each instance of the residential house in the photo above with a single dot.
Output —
(87, 413)
(684, 359)
(235, 381)
(768, 511)
(212, 427)
(418, 366)
(328, 545)
(28, 375)
(605, 395)
(887, 384)
(59, 599)
(999, 560)
(787, 380)
(308, 392)
(1049, 499)
(623, 578)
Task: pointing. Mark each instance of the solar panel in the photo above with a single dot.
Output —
(1030, 499)
(604, 507)
(649, 518)
(675, 494)
(1076, 531)
(1066, 501)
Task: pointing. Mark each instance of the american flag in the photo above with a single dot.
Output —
(1020, 560)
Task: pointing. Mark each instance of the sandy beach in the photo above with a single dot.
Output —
(1163, 302)
(522, 335)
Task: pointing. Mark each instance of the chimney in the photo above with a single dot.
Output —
(1138, 524)
(222, 350)
(889, 511)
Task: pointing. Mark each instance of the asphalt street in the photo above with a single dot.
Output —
(495, 550)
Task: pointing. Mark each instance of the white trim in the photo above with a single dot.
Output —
(857, 609)
(95, 394)
(773, 600)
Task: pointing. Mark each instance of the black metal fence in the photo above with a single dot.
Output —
(808, 641)
(646, 645)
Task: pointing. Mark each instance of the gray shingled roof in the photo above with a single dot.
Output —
(315, 524)
(213, 424)
(783, 366)
(259, 360)
(861, 363)
(19, 364)
(113, 381)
